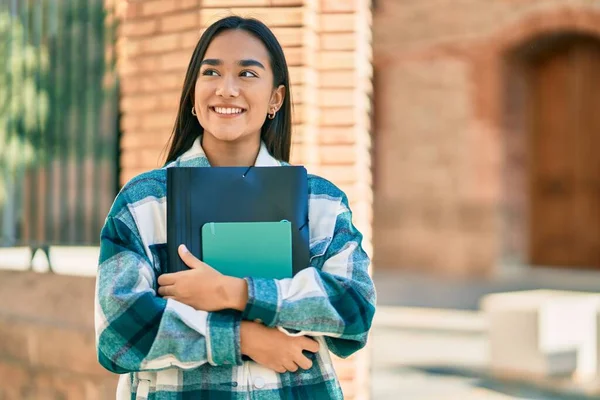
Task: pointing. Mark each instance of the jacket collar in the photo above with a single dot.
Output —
(196, 157)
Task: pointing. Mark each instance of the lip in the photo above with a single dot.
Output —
(212, 109)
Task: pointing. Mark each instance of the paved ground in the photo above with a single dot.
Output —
(416, 355)
(436, 365)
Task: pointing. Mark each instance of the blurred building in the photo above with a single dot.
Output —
(486, 130)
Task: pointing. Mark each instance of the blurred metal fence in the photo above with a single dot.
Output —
(58, 121)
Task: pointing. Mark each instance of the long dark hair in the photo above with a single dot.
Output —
(276, 133)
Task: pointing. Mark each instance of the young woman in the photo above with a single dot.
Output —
(198, 334)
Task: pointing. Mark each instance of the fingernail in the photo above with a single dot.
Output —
(184, 249)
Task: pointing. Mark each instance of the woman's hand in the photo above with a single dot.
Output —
(274, 349)
(202, 287)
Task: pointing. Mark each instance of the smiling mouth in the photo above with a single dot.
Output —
(228, 110)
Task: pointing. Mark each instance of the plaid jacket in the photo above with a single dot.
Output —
(167, 350)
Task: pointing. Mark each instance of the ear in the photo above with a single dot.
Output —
(277, 98)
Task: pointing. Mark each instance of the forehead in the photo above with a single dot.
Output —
(235, 45)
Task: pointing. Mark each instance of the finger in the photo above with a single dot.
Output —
(281, 369)
(291, 366)
(311, 345)
(188, 258)
(167, 279)
(169, 297)
(304, 362)
(166, 290)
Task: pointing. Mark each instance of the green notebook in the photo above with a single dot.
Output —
(249, 249)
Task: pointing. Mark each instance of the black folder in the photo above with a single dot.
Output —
(200, 195)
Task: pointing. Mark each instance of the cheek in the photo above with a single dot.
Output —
(200, 97)
(260, 101)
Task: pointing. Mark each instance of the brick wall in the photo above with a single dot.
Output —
(446, 190)
(341, 141)
(47, 348)
(328, 48)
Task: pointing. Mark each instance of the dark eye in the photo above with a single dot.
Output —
(210, 72)
(248, 74)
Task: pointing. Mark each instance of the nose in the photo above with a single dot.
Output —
(228, 87)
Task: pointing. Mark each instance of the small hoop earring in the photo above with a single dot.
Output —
(193, 112)
(272, 115)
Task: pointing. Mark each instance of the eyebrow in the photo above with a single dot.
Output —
(243, 63)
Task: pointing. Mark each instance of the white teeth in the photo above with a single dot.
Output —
(227, 110)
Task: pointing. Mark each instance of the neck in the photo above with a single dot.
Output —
(240, 153)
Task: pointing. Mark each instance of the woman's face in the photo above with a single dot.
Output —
(234, 91)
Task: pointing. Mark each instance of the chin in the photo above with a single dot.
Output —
(228, 135)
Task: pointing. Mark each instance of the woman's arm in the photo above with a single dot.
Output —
(335, 298)
(135, 329)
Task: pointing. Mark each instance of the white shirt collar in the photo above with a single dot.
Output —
(196, 156)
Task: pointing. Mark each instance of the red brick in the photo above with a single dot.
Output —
(294, 56)
(289, 37)
(298, 114)
(14, 344)
(65, 349)
(52, 299)
(189, 40)
(151, 158)
(128, 68)
(142, 64)
(133, 10)
(336, 97)
(337, 79)
(297, 153)
(139, 28)
(250, 3)
(135, 140)
(168, 100)
(298, 94)
(338, 174)
(337, 23)
(129, 159)
(336, 135)
(338, 41)
(335, 6)
(15, 382)
(49, 385)
(130, 122)
(156, 7)
(138, 103)
(272, 16)
(157, 120)
(188, 4)
(130, 140)
(337, 117)
(161, 43)
(297, 75)
(337, 60)
(161, 81)
(337, 155)
(180, 22)
(129, 48)
(176, 61)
